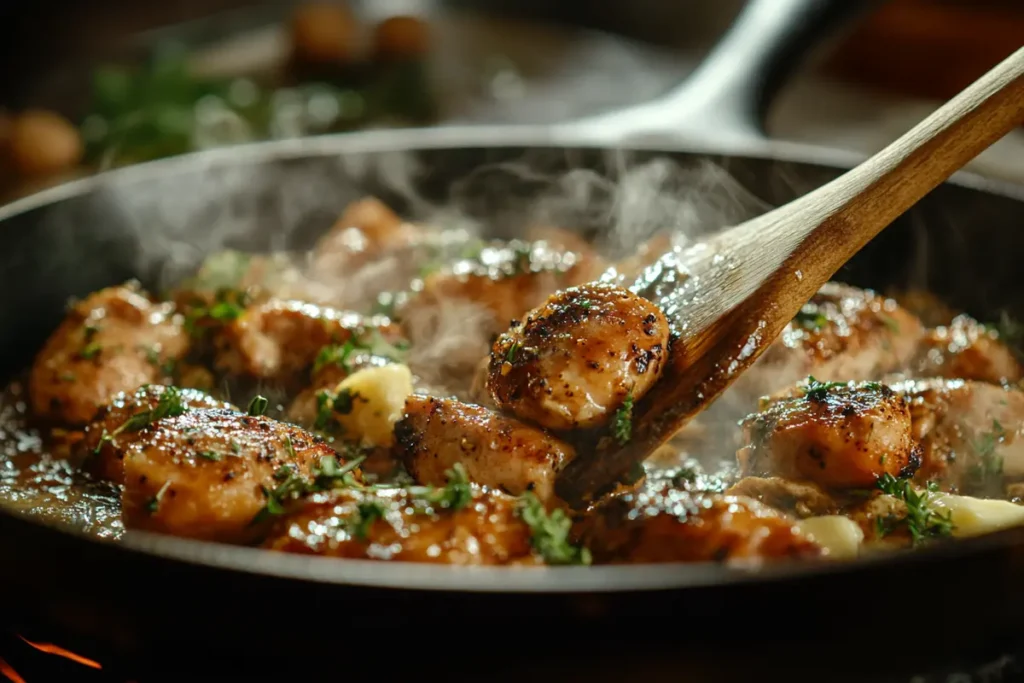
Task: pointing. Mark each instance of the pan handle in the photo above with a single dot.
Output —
(728, 95)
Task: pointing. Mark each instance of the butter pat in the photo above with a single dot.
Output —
(976, 516)
(840, 536)
(379, 395)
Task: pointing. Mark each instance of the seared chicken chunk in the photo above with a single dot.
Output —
(843, 334)
(363, 231)
(965, 349)
(661, 523)
(575, 360)
(836, 435)
(112, 341)
(106, 438)
(969, 432)
(497, 452)
(206, 473)
(278, 339)
(399, 525)
(506, 280)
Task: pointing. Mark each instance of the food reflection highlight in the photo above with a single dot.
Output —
(371, 399)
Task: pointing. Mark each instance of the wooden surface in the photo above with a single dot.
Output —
(744, 286)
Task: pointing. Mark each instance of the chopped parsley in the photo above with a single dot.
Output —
(817, 391)
(549, 532)
(153, 504)
(456, 494)
(921, 521)
(810, 318)
(228, 304)
(890, 322)
(328, 405)
(372, 342)
(585, 304)
(210, 455)
(513, 351)
(257, 406)
(326, 476)
(622, 427)
(367, 512)
(170, 404)
(90, 350)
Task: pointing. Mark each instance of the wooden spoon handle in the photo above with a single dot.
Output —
(826, 227)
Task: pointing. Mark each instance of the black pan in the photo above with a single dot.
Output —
(172, 603)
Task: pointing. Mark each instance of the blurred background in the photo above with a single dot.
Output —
(101, 83)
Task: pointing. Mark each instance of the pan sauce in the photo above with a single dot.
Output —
(836, 464)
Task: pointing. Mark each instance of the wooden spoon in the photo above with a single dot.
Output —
(728, 298)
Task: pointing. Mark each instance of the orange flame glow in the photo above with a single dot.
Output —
(8, 671)
(51, 649)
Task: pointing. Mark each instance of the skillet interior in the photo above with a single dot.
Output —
(960, 243)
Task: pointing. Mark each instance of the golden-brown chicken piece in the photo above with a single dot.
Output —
(506, 280)
(364, 230)
(206, 473)
(661, 523)
(843, 334)
(398, 525)
(970, 433)
(102, 449)
(836, 435)
(280, 339)
(965, 349)
(497, 452)
(578, 358)
(114, 340)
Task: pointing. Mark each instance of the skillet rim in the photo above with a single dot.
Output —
(426, 577)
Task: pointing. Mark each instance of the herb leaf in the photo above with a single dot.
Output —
(257, 406)
(817, 391)
(170, 404)
(810, 318)
(325, 476)
(921, 520)
(456, 494)
(549, 533)
(622, 427)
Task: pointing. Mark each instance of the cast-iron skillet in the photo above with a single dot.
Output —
(176, 602)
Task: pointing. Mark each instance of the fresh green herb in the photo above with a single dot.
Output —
(872, 386)
(236, 448)
(513, 351)
(153, 504)
(921, 521)
(522, 258)
(549, 533)
(257, 406)
(371, 342)
(210, 455)
(810, 318)
(890, 322)
(817, 391)
(326, 476)
(328, 405)
(456, 494)
(170, 404)
(104, 438)
(367, 512)
(585, 304)
(290, 447)
(228, 305)
(324, 414)
(90, 350)
(622, 427)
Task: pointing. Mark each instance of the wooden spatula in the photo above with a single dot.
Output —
(728, 298)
